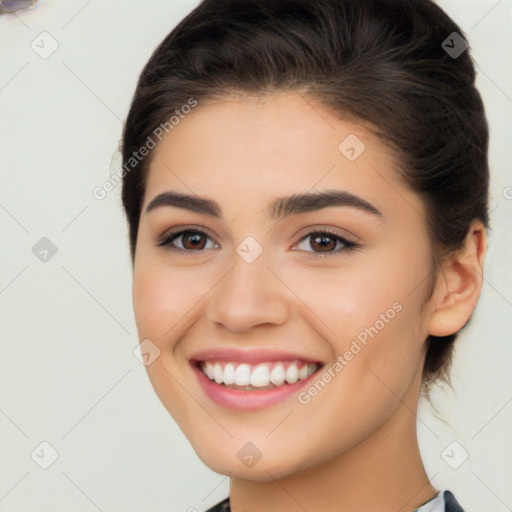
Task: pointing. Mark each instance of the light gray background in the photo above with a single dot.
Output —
(68, 374)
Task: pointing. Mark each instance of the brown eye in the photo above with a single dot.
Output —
(324, 243)
(192, 240)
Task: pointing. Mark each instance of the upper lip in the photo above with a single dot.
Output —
(254, 355)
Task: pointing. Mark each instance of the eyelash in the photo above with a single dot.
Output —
(167, 238)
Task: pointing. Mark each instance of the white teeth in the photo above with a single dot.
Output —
(260, 376)
(277, 375)
(292, 374)
(217, 373)
(209, 370)
(229, 374)
(243, 375)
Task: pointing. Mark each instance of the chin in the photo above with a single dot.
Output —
(225, 461)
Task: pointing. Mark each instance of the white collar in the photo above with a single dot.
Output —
(434, 505)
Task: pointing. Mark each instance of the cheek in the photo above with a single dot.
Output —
(162, 297)
(155, 301)
(371, 313)
(362, 290)
(151, 295)
(161, 300)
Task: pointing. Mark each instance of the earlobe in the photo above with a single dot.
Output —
(459, 284)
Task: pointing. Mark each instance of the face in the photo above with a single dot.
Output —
(325, 293)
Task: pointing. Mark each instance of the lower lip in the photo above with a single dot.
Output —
(238, 399)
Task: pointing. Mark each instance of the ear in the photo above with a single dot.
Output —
(459, 284)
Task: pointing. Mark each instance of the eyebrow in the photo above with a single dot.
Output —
(277, 209)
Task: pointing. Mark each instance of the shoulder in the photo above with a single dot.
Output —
(450, 503)
(223, 506)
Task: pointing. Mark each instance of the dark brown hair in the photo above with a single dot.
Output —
(392, 65)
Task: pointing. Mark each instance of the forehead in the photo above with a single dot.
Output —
(249, 149)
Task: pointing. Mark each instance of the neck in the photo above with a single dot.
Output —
(384, 472)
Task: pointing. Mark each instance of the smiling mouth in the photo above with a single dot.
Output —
(257, 377)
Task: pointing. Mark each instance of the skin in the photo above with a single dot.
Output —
(354, 445)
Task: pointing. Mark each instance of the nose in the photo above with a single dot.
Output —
(247, 296)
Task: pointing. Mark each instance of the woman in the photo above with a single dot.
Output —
(305, 184)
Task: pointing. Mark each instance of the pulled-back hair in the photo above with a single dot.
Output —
(395, 66)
